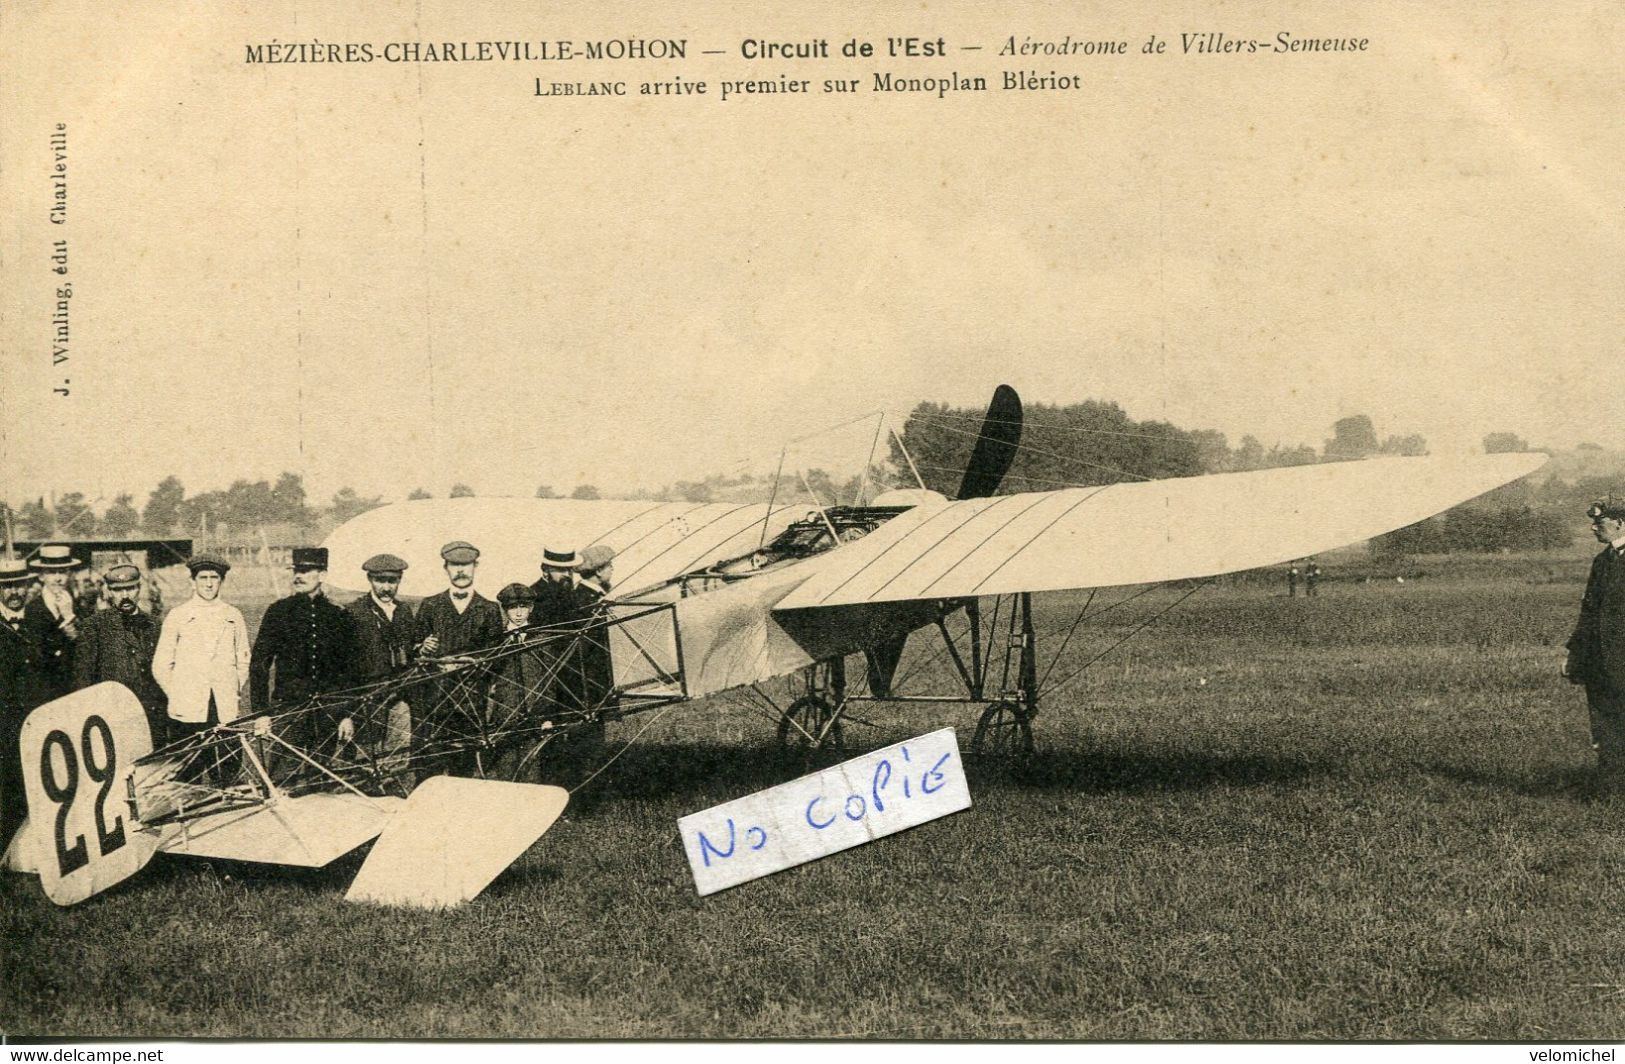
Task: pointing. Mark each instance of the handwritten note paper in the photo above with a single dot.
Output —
(852, 803)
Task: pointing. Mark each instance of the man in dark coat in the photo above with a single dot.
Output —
(310, 643)
(385, 638)
(118, 643)
(454, 622)
(1597, 647)
(19, 693)
(52, 620)
(561, 604)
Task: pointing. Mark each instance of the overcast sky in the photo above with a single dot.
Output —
(400, 275)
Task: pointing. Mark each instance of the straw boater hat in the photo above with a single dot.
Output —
(14, 571)
(54, 556)
(559, 559)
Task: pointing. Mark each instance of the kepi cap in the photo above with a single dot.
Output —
(310, 557)
(54, 556)
(459, 553)
(121, 576)
(384, 563)
(514, 595)
(213, 563)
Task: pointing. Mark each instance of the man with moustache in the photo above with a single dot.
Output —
(384, 646)
(19, 692)
(311, 644)
(117, 644)
(454, 622)
(53, 620)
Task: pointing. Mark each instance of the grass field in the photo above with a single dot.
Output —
(1366, 816)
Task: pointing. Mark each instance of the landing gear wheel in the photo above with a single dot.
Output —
(1005, 733)
(810, 725)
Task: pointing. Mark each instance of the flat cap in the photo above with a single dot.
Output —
(310, 557)
(515, 594)
(596, 557)
(54, 556)
(121, 576)
(208, 563)
(559, 559)
(459, 553)
(383, 563)
(14, 571)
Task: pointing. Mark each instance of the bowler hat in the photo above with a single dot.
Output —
(54, 556)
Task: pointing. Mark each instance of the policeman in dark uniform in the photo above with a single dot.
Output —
(20, 692)
(117, 644)
(1597, 648)
(384, 646)
(310, 643)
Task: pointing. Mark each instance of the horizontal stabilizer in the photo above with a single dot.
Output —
(310, 831)
(1145, 533)
(454, 837)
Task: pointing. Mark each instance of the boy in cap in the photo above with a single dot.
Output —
(518, 699)
(1596, 655)
(117, 644)
(384, 644)
(202, 659)
(52, 620)
(311, 642)
(19, 692)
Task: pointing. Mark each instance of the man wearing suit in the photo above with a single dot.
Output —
(384, 645)
(117, 644)
(52, 620)
(1597, 647)
(454, 622)
(19, 692)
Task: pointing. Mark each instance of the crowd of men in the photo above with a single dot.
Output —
(198, 668)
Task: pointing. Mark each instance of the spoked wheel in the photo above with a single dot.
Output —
(1004, 734)
(809, 725)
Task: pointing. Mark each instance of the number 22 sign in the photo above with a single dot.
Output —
(76, 753)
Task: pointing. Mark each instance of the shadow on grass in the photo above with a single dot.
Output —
(1579, 783)
(700, 771)
(1135, 771)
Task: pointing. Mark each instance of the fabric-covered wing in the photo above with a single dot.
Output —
(652, 540)
(1147, 532)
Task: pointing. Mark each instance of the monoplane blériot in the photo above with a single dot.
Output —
(710, 598)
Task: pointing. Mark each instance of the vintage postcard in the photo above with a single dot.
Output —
(1207, 410)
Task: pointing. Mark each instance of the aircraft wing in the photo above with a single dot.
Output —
(1146, 532)
(652, 540)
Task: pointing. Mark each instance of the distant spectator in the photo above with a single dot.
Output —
(1596, 655)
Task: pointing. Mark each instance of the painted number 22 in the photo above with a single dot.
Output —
(70, 859)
